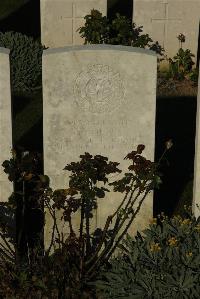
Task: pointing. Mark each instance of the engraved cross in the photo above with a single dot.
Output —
(73, 18)
(165, 21)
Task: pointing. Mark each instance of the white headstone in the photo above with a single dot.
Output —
(164, 20)
(196, 189)
(60, 20)
(99, 99)
(6, 187)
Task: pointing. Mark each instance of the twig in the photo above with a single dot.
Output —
(52, 213)
(106, 227)
(128, 225)
(123, 201)
(110, 243)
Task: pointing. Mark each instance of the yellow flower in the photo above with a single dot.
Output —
(197, 227)
(178, 218)
(13, 153)
(189, 254)
(169, 144)
(172, 241)
(162, 216)
(186, 221)
(34, 278)
(154, 247)
(189, 208)
(153, 221)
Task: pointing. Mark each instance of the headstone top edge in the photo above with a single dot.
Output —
(79, 1)
(4, 50)
(99, 47)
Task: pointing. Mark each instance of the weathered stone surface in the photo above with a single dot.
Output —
(102, 100)
(164, 20)
(5, 122)
(60, 20)
(196, 190)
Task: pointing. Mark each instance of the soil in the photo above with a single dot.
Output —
(171, 87)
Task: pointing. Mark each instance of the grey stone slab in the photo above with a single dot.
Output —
(102, 102)
(5, 122)
(196, 186)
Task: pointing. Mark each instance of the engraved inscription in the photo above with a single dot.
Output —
(99, 88)
(86, 134)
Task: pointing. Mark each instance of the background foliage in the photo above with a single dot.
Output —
(99, 29)
(25, 61)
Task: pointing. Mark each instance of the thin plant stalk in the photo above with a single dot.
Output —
(107, 225)
(110, 243)
(128, 225)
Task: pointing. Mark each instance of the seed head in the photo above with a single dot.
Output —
(169, 144)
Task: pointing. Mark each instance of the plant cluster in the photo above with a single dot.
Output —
(163, 263)
(64, 268)
(180, 66)
(25, 61)
(99, 29)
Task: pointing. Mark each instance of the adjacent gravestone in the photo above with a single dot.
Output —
(99, 99)
(196, 190)
(60, 20)
(164, 20)
(5, 122)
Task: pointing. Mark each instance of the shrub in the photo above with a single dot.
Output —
(163, 263)
(99, 30)
(96, 29)
(184, 60)
(76, 259)
(25, 61)
(181, 65)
